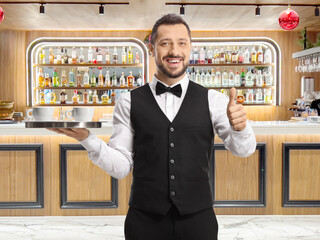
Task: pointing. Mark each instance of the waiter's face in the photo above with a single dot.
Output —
(172, 50)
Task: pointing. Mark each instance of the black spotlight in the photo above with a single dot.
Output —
(316, 11)
(41, 9)
(258, 11)
(101, 10)
(182, 10)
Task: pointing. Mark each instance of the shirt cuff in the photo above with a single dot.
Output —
(88, 143)
(247, 130)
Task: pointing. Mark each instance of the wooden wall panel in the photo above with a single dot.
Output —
(236, 178)
(304, 175)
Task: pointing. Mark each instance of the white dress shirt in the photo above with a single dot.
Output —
(116, 157)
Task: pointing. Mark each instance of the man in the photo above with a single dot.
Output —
(165, 131)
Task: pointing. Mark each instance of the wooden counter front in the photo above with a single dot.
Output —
(281, 177)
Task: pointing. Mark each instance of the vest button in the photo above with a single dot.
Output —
(172, 145)
(173, 193)
(171, 129)
(172, 161)
(172, 177)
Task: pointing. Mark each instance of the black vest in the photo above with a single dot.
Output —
(171, 159)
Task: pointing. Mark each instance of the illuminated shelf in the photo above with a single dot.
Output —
(232, 64)
(90, 88)
(88, 65)
(266, 87)
(74, 105)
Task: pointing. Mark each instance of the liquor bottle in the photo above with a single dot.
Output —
(250, 96)
(139, 80)
(249, 79)
(202, 57)
(267, 95)
(42, 97)
(240, 97)
(65, 56)
(202, 78)
(105, 98)
(74, 55)
(62, 57)
(218, 78)
(53, 98)
(114, 80)
(225, 79)
(115, 56)
(192, 74)
(86, 81)
(228, 55)
(260, 55)
(210, 55)
(107, 79)
(63, 97)
(253, 55)
(93, 81)
(267, 56)
(231, 78)
(59, 56)
(107, 56)
(81, 57)
(237, 80)
(130, 79)
(79, 79)
(99, 56)
(85, 97)
(100, 79)
(208, 79)
(130, 55)
(90, 96)
(269, 78)
(95, 97)
(242, 77)
(51, 56)
(246, 56)
(235, 55)
(47, 80)
(71, 78)
(113, 97)
(137, 58)
(198, 77)
(40, 78)
(64, 79)
(240, 56)
(222, 56)
(259, 97)
(196, 56)
(216, 56)
(124, 56)
(41, 56)
(259, 79)
(213, 75)
(55, 78)
(122, 80)
(90, 55)
(75, 98)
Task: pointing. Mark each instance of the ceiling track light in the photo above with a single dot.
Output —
(316, 11)
(41, 10)
(182, 10)
(258, 10)
(101, 10)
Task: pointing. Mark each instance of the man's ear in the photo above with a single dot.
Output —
(151, 47)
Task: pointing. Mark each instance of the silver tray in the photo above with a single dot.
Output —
(62, 124)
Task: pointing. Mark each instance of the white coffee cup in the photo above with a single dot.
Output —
(80, 114)
(41, 113)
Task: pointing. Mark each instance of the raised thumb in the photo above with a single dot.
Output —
(232, 96)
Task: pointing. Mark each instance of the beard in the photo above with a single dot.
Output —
(169, 74)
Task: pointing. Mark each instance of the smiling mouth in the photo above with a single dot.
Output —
(173, 60)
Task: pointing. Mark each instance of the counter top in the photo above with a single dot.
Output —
(259, 127)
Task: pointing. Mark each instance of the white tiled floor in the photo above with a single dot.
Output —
(111, 228)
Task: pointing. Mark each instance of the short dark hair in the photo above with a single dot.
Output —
(168, 19)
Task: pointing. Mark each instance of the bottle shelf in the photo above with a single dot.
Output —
(242, 87)
(74, 105)
(232, 64)
(91, 88)
(89, 65)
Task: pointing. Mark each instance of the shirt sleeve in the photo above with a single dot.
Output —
(116, 156)
(240, 143)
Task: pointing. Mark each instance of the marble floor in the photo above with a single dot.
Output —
(111, 228)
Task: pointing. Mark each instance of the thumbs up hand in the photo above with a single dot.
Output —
(236, 113)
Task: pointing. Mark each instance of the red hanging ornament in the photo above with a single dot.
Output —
(1, 15)
(289, 19)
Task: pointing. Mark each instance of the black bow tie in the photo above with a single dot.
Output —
(176, 90)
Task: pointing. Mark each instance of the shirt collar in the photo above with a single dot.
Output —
(184, 83)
